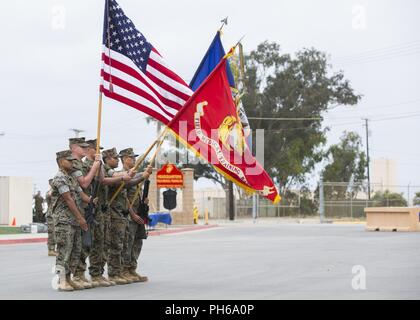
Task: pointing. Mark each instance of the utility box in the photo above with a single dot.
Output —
(392, 219)
(15, 200)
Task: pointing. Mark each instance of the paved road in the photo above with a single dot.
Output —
(243, 261)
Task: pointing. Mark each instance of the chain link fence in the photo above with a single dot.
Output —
(343, 200)
(338, 201)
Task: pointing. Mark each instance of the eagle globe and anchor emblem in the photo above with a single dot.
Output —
(231, 136)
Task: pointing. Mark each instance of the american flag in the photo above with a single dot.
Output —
(133, 71)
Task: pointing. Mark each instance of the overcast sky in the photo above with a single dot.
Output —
(50, 69)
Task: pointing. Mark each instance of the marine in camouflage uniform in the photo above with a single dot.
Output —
(135, 232)
(118, 218)
(51, 199)
(84, 175)
(39, 211)
(97, 251)
(68, 221)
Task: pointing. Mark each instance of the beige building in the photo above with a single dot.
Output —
(384, 175)
(213, 199)
(15, 200)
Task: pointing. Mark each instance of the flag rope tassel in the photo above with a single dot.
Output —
(138, 163)
(232, 50)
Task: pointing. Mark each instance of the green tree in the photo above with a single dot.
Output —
(416, 200)
(304, 199)
(347, 163)
(281, 86)
(388, 199)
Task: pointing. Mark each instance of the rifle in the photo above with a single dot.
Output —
(143, 208)
(90, 213)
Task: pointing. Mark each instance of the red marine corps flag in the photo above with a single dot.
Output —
(209, 125)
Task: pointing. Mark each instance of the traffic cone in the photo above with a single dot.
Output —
(14, 222)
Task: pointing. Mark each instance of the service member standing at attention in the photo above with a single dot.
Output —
(51, 199)
(69, 221)
(118, 213)
(82, 173)
(39, 211)
(136, 229)
(112, 227)
(118, 221)
(84, 176)
(97, 252)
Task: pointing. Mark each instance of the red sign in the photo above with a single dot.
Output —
(170, 177)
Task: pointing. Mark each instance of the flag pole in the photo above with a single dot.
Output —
(159, 142)
(224, 22)
(138, 163)
(98, 131)
(232, 50)
(136, 194)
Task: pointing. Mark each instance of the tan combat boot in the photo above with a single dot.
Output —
(63, 285)
(139, 277)
(126, 275)
(99, 280)
(117, 280)
(80, 277)
(111, 283)
(94, 283)
(134, 275)
(52, 253)
(77, 285)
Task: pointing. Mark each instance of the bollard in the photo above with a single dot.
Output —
(206, 216)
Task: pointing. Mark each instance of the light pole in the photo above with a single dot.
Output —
(367, 154)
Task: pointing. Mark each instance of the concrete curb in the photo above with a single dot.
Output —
(18, 241)
(151, 233)
(171, 231)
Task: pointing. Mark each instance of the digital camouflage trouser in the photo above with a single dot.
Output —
(69, 246)
(117, 236)
(135, 233)
(51, 232)
(97, 251)
(81, 266)
(107, 240)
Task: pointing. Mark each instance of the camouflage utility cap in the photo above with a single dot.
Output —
(79, 141)
(66, 154)
(127, 153)
(110, 153)
(92, 143)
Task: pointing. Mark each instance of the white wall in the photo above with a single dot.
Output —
(16, 200)
(4, 200)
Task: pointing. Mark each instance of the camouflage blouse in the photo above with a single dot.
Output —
(120, 202)
(102, 191)
(51, 198)
(80, 168)
(61, 184)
